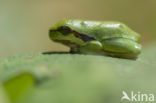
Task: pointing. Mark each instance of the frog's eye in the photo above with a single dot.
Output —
(64, 30)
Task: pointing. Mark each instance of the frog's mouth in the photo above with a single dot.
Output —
(65, 30)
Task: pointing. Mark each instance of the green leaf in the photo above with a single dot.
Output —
(76, 78)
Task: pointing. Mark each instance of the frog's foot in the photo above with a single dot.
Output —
(121, 47)
(74, 50)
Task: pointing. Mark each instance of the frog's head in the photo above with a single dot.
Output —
(69, 37)
(64, 35)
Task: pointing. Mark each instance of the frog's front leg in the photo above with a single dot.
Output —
(88, 47)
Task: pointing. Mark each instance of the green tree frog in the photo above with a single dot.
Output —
(97, 37)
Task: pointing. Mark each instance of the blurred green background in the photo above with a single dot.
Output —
(24, 24)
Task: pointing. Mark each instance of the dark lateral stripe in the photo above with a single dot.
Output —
(65, 30)
(84, 37)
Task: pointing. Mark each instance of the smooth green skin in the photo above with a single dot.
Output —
(111, 38)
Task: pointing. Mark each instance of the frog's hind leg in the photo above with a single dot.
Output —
(121, 47)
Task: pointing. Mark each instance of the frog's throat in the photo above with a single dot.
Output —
(68, 43)
(65, 30)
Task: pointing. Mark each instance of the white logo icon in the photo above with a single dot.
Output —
(125, 96)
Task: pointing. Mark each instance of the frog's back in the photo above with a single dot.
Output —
(99, 30)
